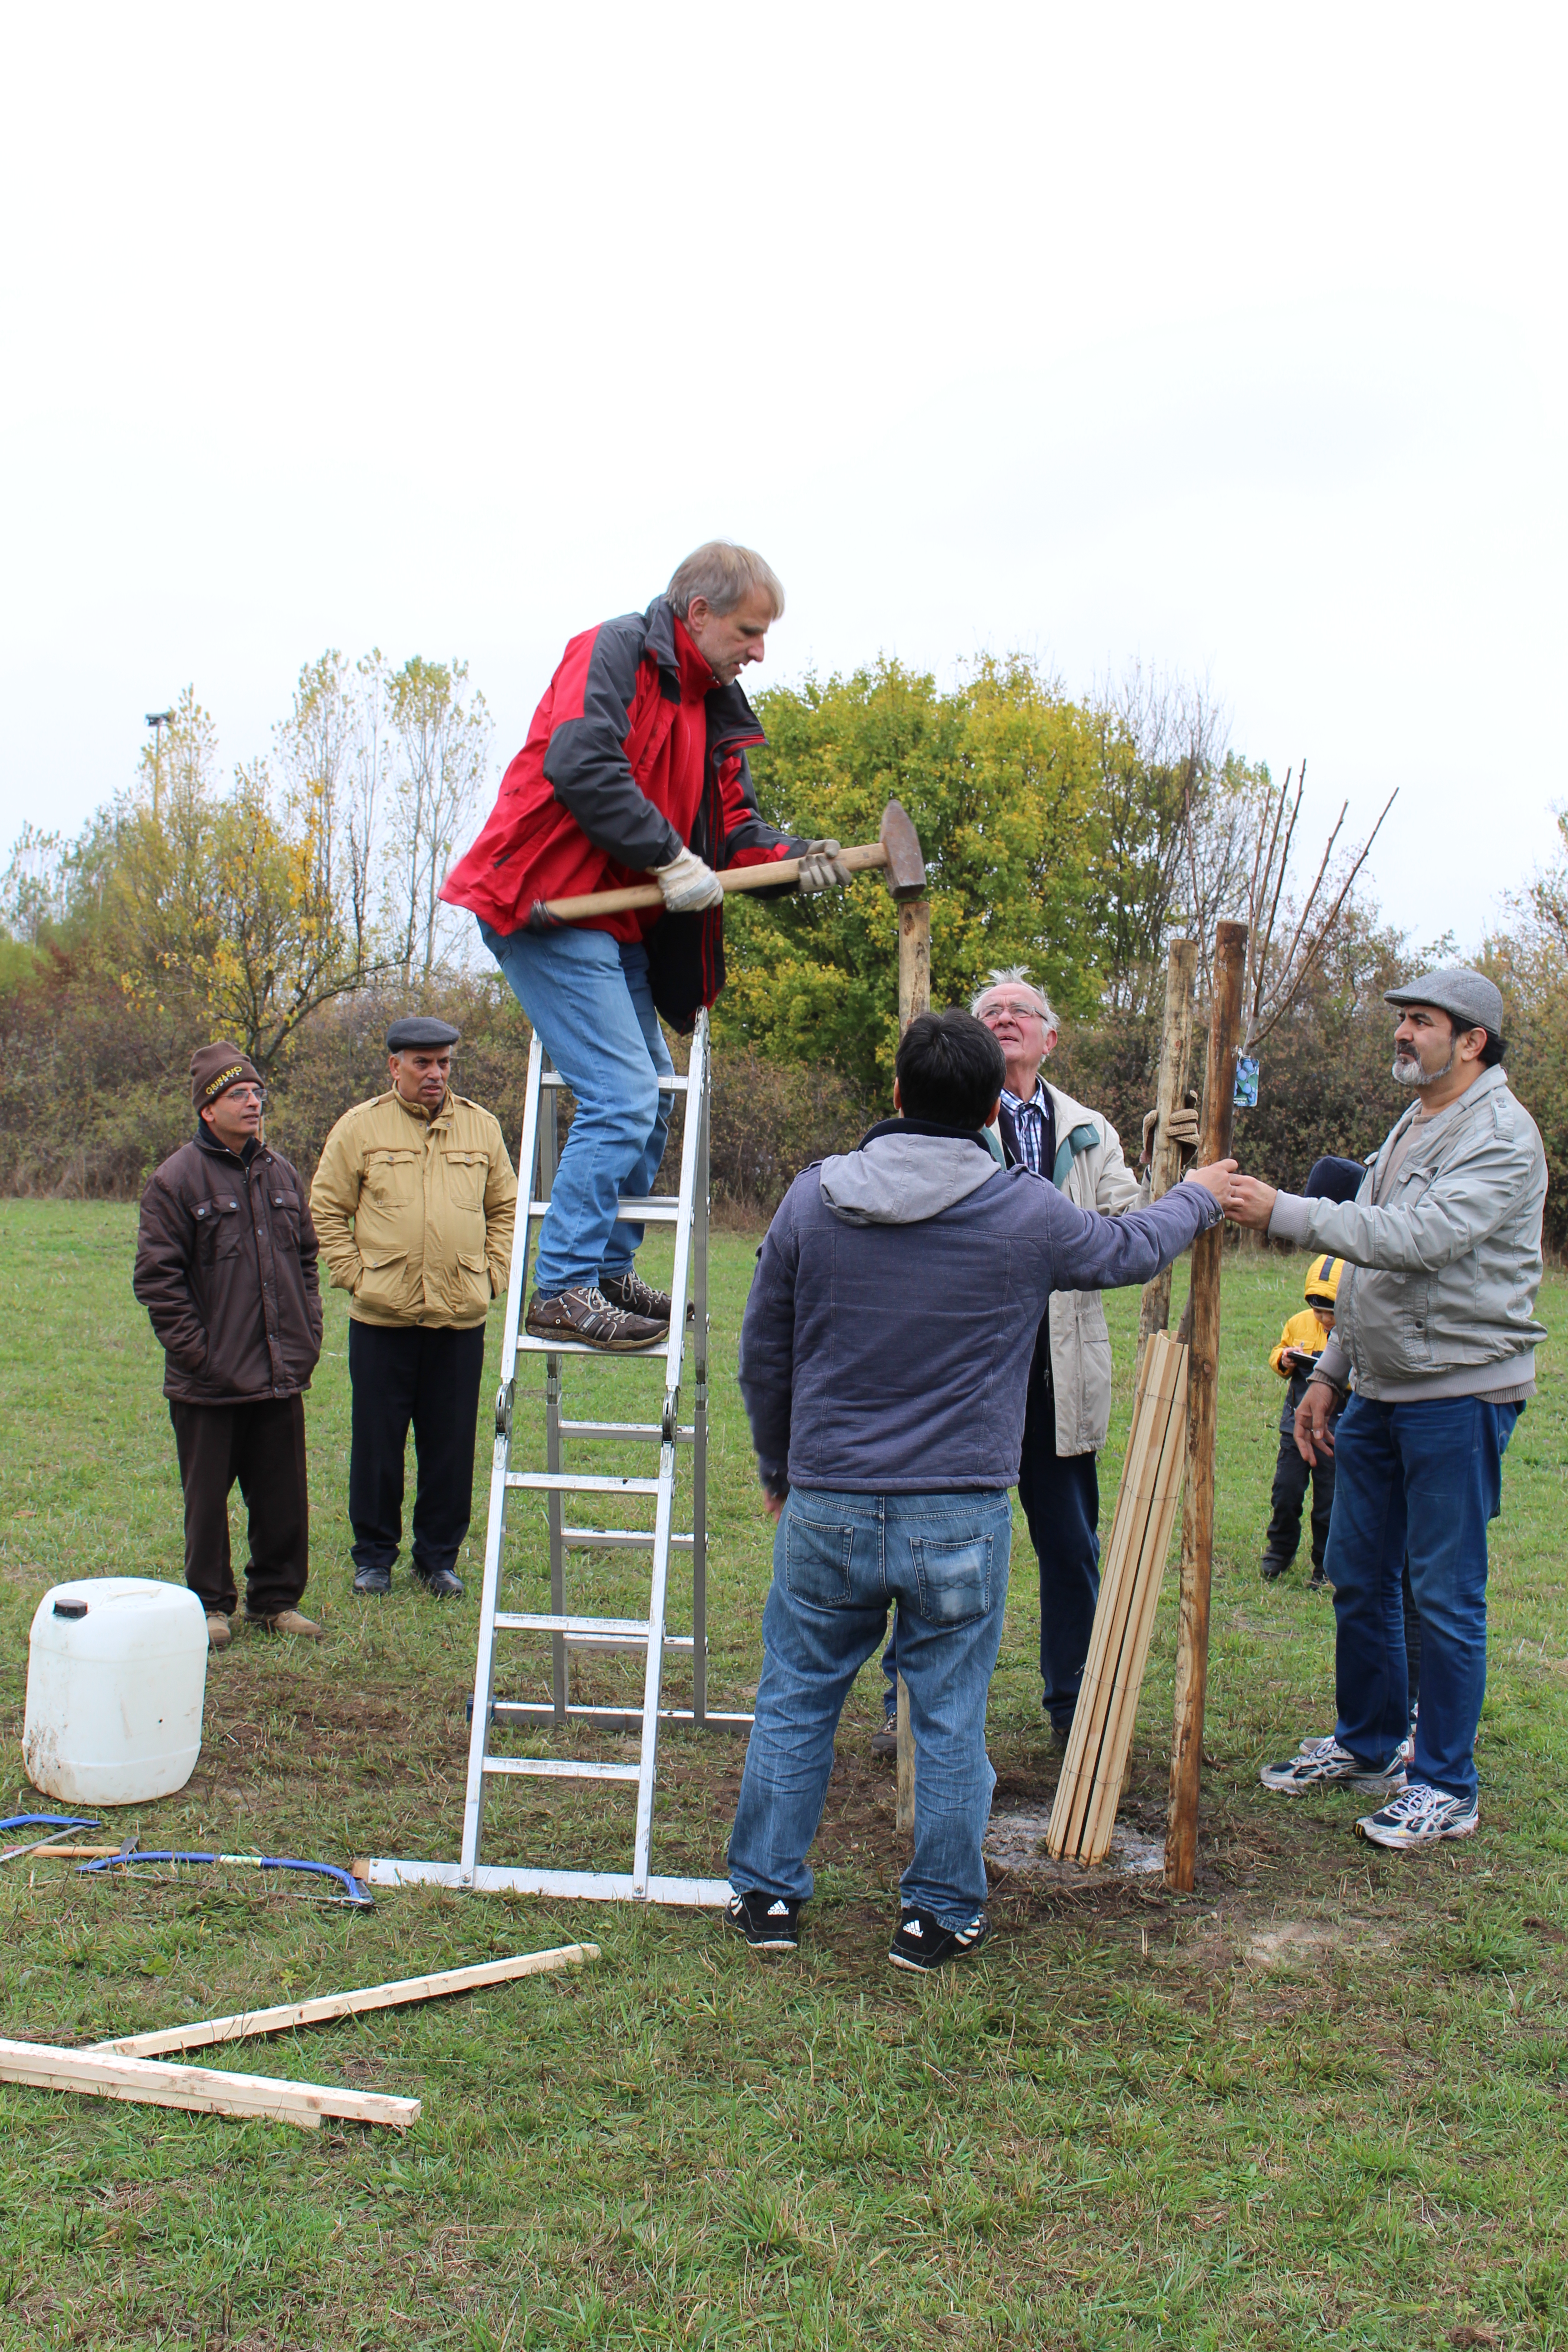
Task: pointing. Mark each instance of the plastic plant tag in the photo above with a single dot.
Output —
(1246, 1095)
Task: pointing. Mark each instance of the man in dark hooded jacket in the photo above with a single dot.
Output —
(884, 1363)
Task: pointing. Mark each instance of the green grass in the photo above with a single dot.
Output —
(1321, 2102)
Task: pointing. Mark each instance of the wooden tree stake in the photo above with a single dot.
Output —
(1197, 1511)
(1175, 1053)
(914, 998)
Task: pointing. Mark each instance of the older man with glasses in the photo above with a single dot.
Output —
(226, 1267)
(1068, 1414)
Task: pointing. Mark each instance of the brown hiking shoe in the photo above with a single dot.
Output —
(585, 1315)
(287, 1620)
(633, 1295)
(220, 1634)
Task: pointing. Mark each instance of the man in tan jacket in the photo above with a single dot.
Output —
(414, 1203)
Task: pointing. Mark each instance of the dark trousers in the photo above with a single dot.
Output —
(1060, 1495)
(431, 1379)
(1291, 1478)
(262, 1445)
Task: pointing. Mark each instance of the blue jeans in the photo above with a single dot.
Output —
(838, 1562)
(1060, 1495)
(1426, 1478)
(588, 998)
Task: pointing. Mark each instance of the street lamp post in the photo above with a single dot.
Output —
(157, 720)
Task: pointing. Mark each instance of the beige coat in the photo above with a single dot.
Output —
(1080, 1344)
(414, 1213)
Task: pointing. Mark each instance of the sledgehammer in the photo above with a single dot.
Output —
(896, 852)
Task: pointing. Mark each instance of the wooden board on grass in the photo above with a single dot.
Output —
(325, 2005)
(206, 2090)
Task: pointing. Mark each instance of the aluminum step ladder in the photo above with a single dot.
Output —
(688, 1213)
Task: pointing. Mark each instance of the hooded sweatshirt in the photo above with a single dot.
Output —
(888, 1337)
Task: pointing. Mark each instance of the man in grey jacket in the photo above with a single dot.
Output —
(1436, 1333)
(883, 1355)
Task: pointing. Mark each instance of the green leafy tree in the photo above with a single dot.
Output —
(996, 775)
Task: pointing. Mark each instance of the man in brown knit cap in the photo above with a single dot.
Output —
(226, 1267)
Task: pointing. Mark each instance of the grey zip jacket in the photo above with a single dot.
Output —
(1438, 1296)
(887, 1337)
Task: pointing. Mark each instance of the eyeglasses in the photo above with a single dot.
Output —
(256, 1095)
(989, 1013)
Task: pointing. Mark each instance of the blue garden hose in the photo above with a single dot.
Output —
(50, 1820)
(354, 1892)
(55, 1824)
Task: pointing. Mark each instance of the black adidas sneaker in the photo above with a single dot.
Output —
(923, 1943)
(768, 1925)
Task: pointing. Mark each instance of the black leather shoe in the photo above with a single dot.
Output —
(441, 1584)
(372, 1580)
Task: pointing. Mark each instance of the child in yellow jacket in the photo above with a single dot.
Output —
(1301, 1342)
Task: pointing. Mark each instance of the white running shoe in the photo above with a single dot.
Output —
(1324, 1764)
(1420, 1815)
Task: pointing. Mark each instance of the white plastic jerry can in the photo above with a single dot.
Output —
(117, 1674)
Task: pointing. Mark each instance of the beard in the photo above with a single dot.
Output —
(1408, 1071)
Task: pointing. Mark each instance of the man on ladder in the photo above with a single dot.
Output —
(635, 764)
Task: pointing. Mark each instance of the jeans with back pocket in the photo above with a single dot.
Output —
(839, 1562)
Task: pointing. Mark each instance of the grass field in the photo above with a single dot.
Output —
(1321, 2102)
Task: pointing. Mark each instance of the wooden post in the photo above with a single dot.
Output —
(914, 998)
(1175, 1053)
(1197, 1509)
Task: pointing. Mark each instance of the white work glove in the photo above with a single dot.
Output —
(1183, 1131)
(821, 867)
(688, 883)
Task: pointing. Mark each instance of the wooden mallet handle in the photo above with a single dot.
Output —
(865, 860)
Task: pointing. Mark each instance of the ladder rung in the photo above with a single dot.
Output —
(609, 1641)
(527, 1345)
(663, 1212)
(523, 1621)
(611, 1429)
(563, 1768)
(613, 1718)
(618, 1539)
(563, 1482)
(666, 1086)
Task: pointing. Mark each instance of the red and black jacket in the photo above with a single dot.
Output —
(634, 753)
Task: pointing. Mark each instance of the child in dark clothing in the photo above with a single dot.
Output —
(1301, 1342)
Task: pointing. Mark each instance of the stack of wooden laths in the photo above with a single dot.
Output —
(1084, 1815)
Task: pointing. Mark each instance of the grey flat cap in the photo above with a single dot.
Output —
(1468, 997)
(417, 1033)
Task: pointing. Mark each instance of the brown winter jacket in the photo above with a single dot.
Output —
(226, 1267)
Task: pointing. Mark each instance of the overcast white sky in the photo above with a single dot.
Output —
(1225, 338)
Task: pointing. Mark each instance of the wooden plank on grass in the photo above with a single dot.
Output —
(204, 2090)
(316, 2011)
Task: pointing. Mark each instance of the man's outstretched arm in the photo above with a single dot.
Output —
(1096, 1252)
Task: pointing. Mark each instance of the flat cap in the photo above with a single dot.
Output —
(417, 1031)
(1468, 997)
